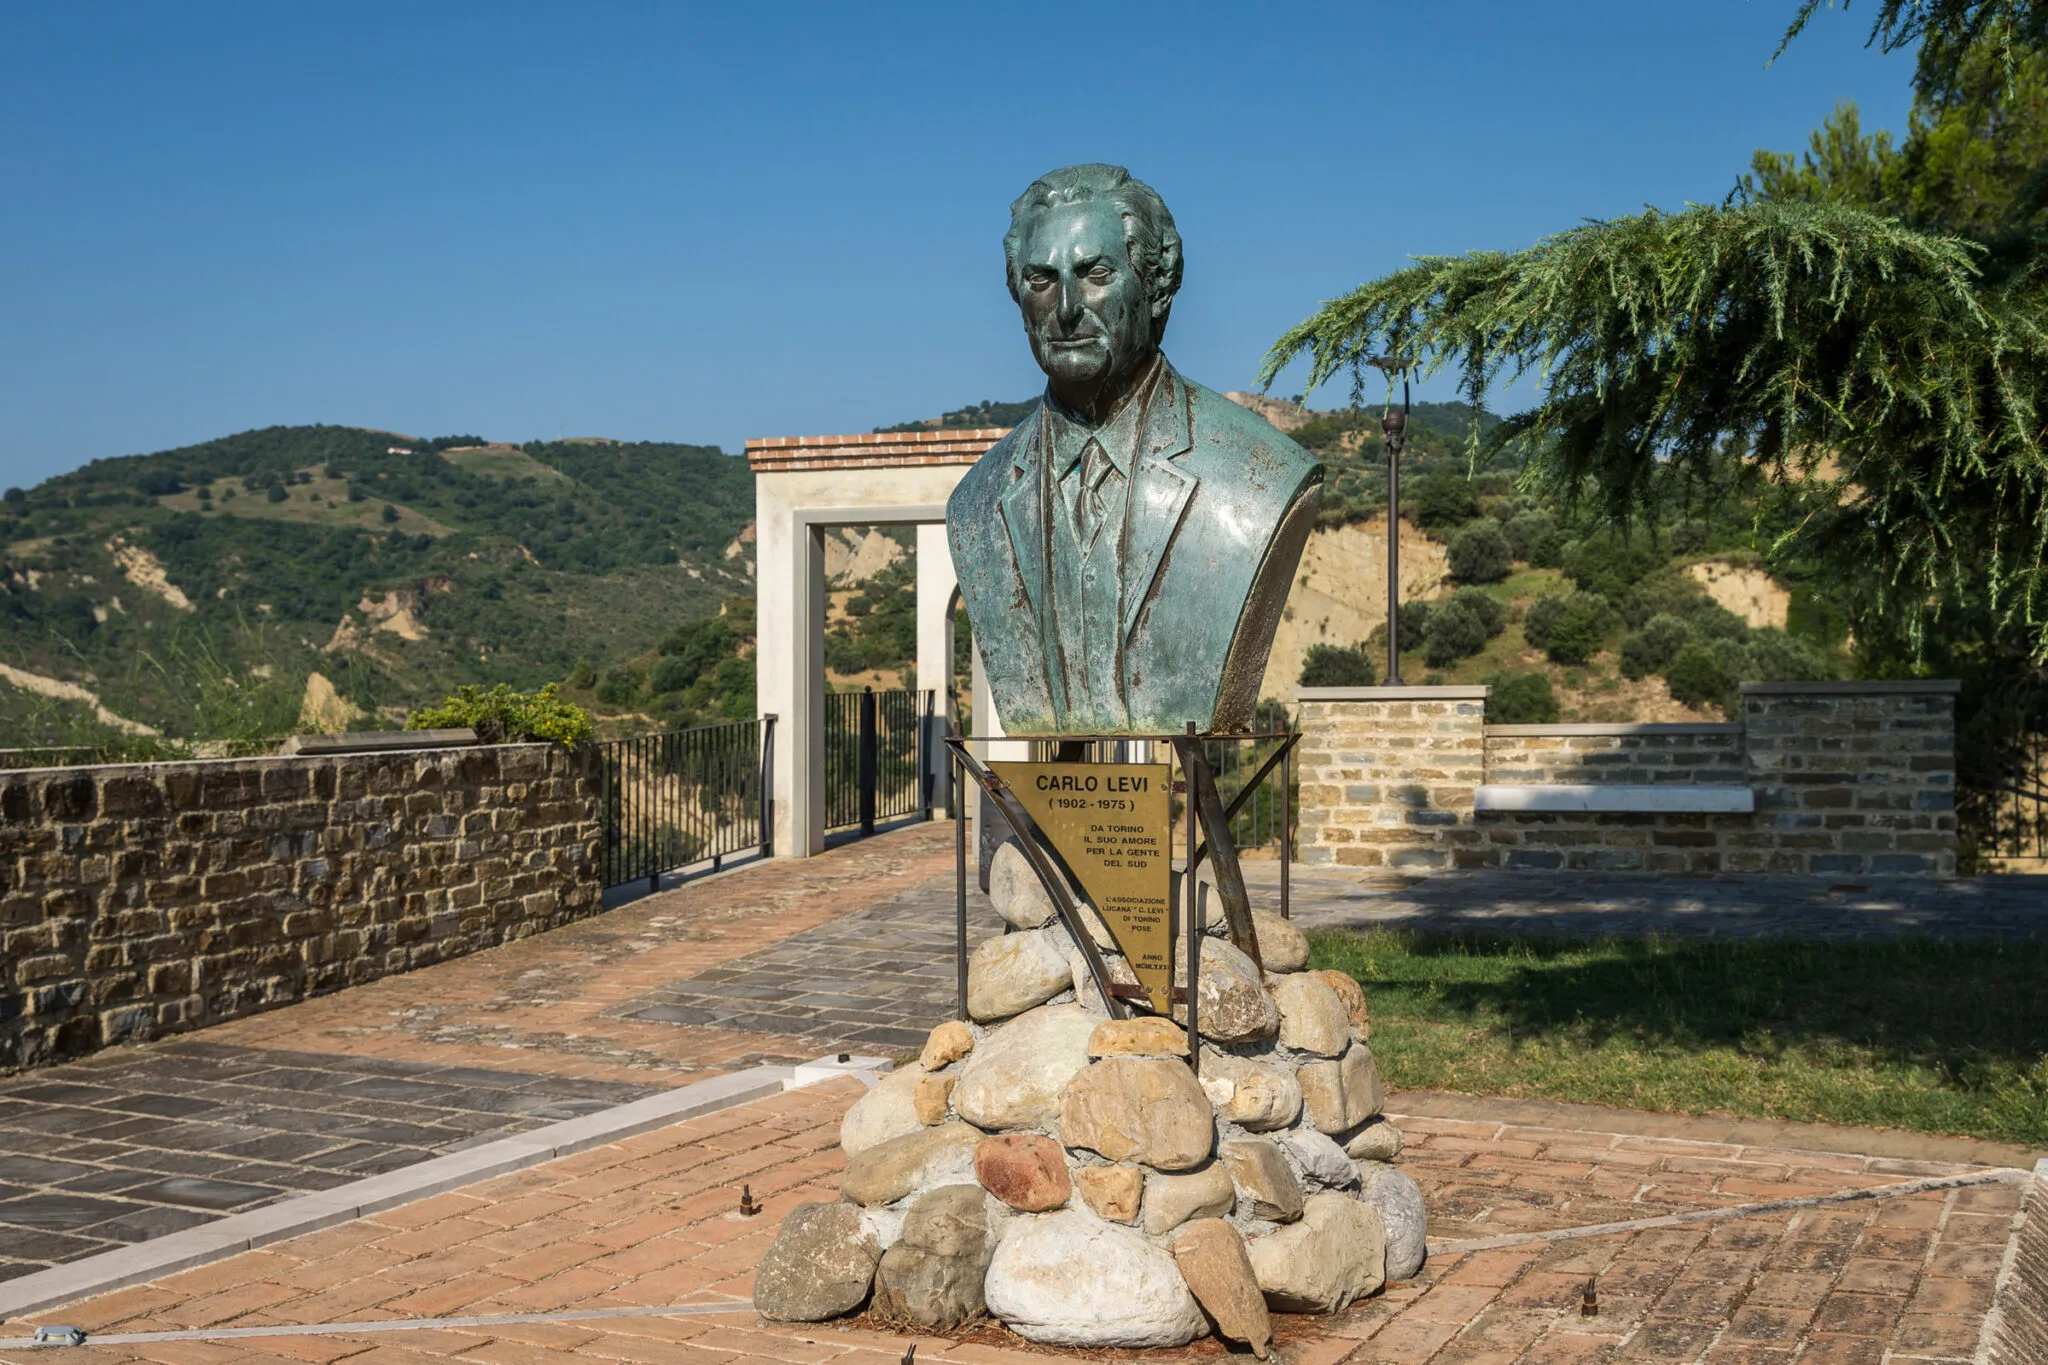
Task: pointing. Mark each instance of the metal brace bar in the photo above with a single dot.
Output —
(1052, 872)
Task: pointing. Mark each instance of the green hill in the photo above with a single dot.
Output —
(194, 590)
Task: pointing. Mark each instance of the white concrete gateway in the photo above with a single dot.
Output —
(804, 485)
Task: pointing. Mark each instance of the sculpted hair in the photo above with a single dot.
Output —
(1149, 234)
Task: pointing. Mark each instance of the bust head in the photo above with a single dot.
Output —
(1094, 262)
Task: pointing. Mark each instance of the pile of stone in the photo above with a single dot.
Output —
(1068, 1175)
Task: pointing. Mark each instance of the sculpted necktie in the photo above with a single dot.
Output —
(1088, 505)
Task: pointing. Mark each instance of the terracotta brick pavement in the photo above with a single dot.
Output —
(652, 1221)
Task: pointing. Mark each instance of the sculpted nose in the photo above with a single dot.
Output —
(1070, 301)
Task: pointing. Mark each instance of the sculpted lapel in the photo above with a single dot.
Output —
(1024, 517)
(1159, 495)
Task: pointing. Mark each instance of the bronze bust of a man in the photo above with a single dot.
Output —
(1125, 552)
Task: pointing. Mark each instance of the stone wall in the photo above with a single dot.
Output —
(141, 899)
(1850, 778)
(1388, 774)
(1614, 753)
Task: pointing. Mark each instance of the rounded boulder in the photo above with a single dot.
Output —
(1071, 1279)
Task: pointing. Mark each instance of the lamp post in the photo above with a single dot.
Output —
(1394, 433)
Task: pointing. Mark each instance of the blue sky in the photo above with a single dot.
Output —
(674, 222)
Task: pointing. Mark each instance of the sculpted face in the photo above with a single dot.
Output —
(1085, 308)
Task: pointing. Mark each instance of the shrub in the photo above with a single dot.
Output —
(696, 647)
(1536, 621)
(1338, 666)
(1568, 628)
(1480, 553)
(1647, 650)
(1688, 538)
(1526, 529)
(619, 686)
(276, 493)
(1609, 566)
(1439, 500)
(672, 673)
(1520, 699)
(1414, 619)
(1549, 551)
(1455, 632)
(389, 514)
(1712, 621)
(1667, 592)
(1774, 656)
(1695, 676)
(584, 675)
(502, 716)
(1491, 611)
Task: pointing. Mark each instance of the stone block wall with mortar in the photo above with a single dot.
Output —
(143, 899)
(1850, 778)
(1388, 774)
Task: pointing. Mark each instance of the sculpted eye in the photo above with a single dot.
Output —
(1101, 274)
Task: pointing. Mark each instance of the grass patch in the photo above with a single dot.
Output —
(1914, 1034)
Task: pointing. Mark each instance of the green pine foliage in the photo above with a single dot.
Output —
(1860, 336)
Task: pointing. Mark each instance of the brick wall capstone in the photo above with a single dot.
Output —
(143, 899)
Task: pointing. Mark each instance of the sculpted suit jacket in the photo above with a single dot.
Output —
(1218, 507)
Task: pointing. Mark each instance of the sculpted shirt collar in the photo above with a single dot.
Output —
(1069, 434)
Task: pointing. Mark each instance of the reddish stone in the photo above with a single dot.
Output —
(1027, 1171)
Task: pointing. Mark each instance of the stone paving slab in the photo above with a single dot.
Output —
(651, 1221)
(135, 1143)
(878, 978)
(1637, 905)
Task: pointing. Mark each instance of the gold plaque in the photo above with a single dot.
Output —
(1112, 823)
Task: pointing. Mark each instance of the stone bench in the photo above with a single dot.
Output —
(1576, 798)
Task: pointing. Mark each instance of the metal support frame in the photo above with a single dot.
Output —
(1185, 748)
(1206, 814)
(1050, 868)
(868, 775)
(1206, 807)
(959, 889)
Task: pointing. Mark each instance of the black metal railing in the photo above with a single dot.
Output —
(876, 766)
(2002, 778)
(684, 797)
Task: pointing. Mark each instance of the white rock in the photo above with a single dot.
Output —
(1344, 1093)
(884, 1225)
(1336, 1253)
(1312, 1018)
(1377, 1139)
(886, 1111)
(1232, 1000)
(1071, 1279)
(1320, 1159)
(1015, 891)
(1256, 1096)
(1014, 1076)
(1282, 947)
(1010, 974)
(1171, 1200)
(1085, 994)
(1399, 1201)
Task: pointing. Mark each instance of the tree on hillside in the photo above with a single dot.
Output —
(1864, 333)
